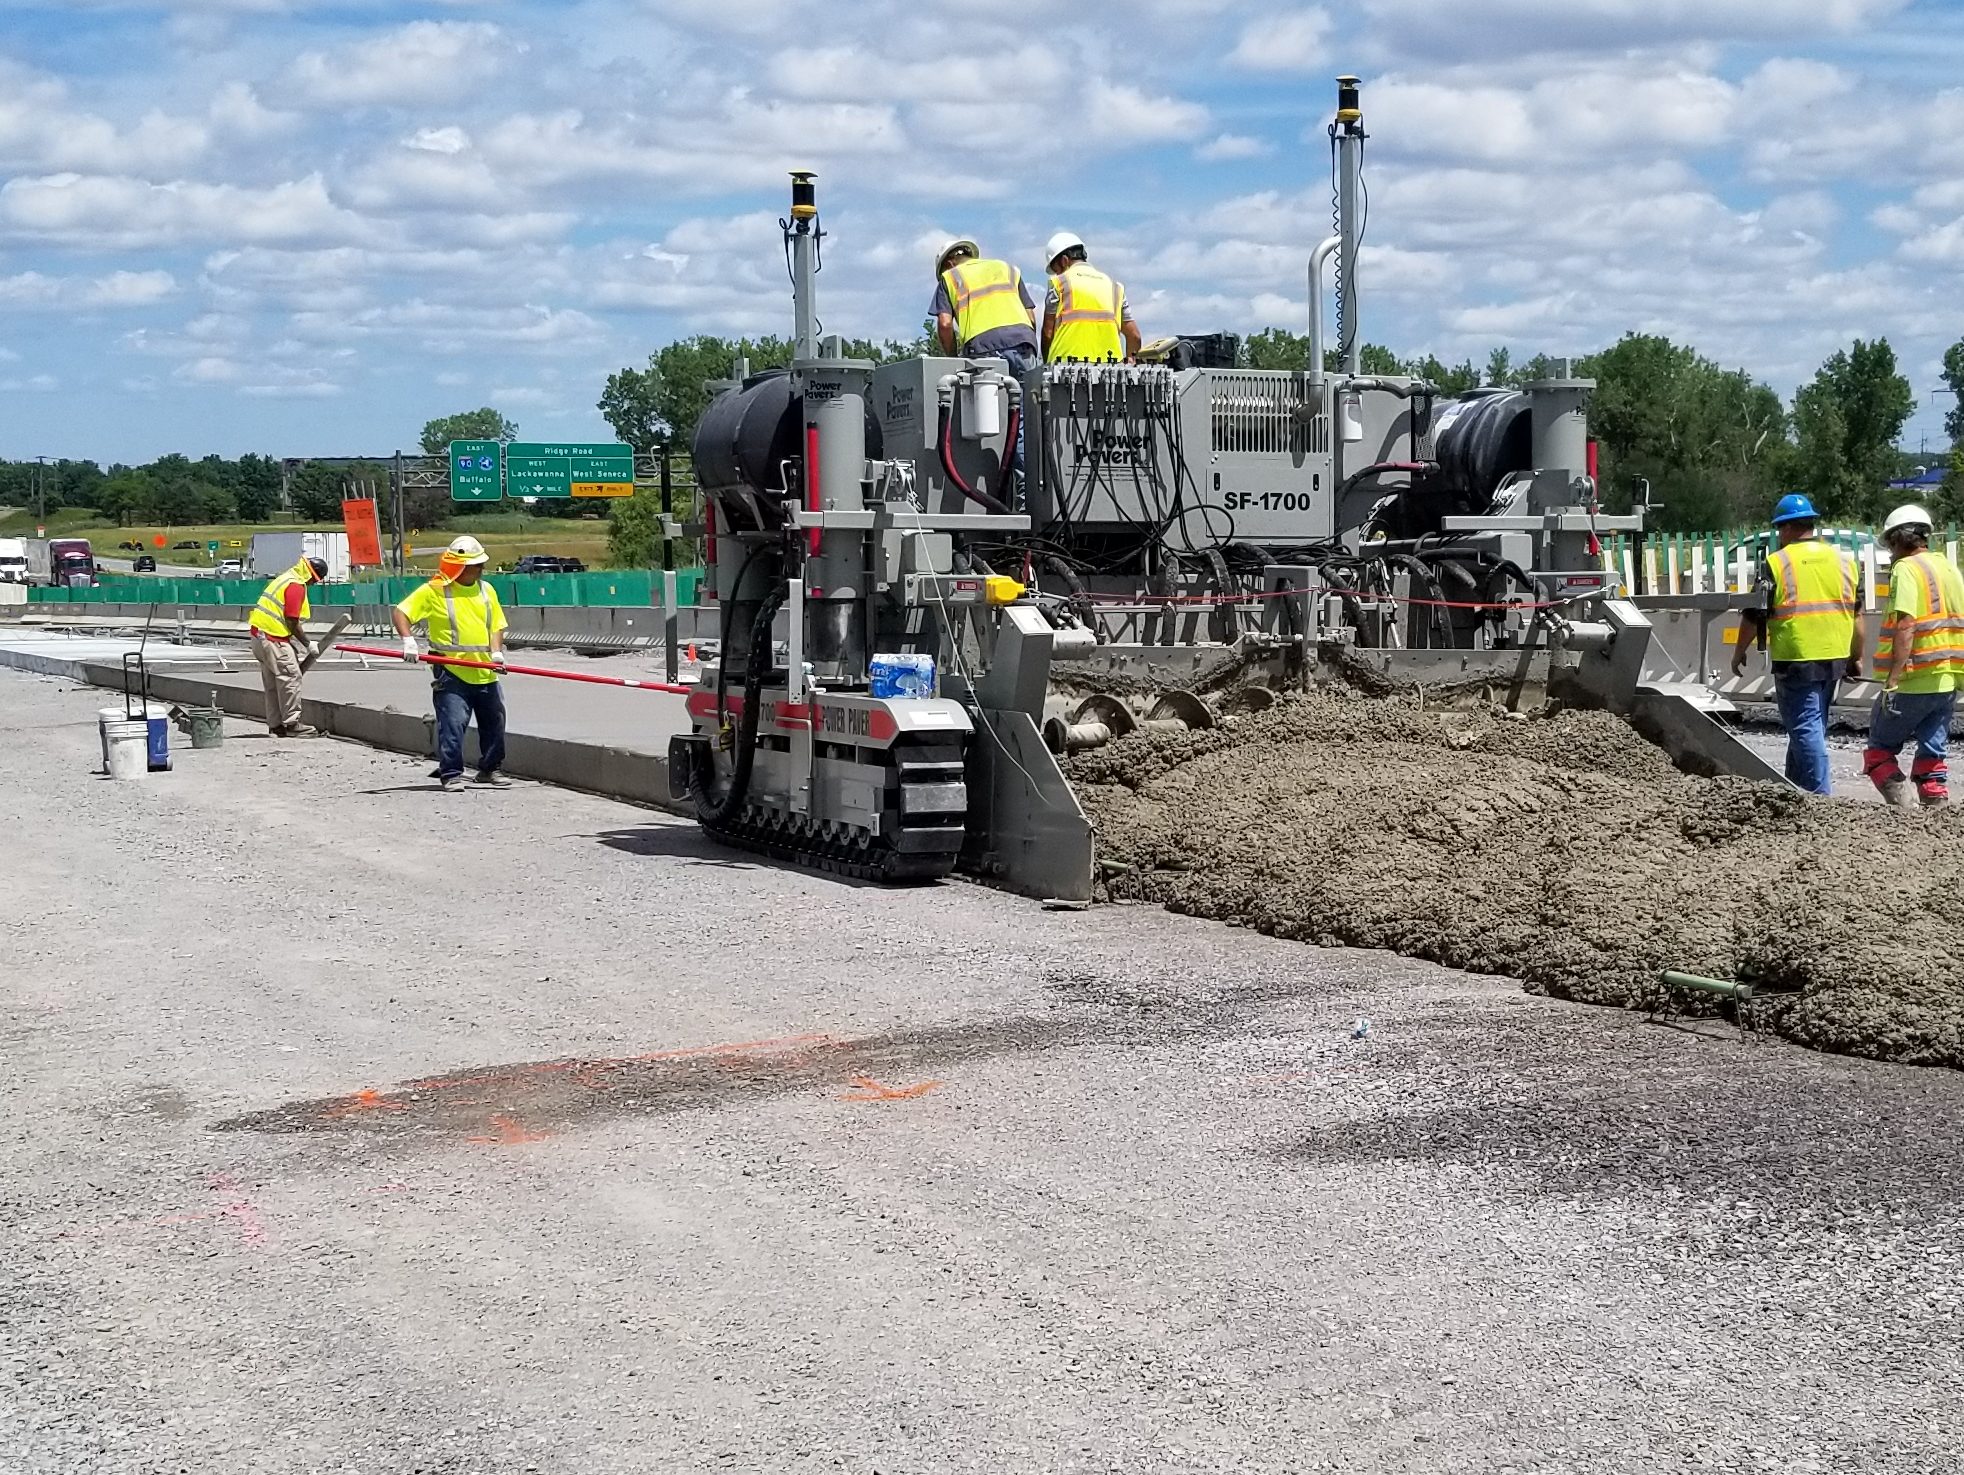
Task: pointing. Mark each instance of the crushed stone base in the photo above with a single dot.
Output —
(1562, 850)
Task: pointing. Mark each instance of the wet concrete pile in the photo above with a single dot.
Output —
(1563, 851)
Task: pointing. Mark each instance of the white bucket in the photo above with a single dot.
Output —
(128, 747)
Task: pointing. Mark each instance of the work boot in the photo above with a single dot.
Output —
(452, 783)
(1897, 791)
(1934, 801)
(300, 729)
(494, 780)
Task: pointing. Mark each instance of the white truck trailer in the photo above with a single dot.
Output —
(275, 553)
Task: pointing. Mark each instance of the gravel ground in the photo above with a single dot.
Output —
(353, 1128)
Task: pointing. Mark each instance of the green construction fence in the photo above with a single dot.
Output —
(627, 588)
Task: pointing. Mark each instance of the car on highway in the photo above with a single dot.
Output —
(231, 568)
(145, 563)
(548, 563)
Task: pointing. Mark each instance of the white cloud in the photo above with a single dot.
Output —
(117, 289)
(422, 62)
(1516, 27)
(237, 111)
(1122, 114)
(450, 140)
(1294, 42)
(32, 384)
(102, 211)
(41, 130)
(1225, 146)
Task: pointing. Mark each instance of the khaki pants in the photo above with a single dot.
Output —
(279, 673)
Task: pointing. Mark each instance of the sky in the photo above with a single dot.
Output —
(304, 227)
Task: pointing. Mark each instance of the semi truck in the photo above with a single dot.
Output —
(13, 560)
(275, 553)
(61, 563)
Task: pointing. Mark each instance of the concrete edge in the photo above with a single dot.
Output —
(626, 774)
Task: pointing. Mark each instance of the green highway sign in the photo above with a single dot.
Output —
(561, 469)
(475, 475)
(212, 547)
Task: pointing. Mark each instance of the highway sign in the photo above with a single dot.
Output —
(562, 469)
(475, 475)
(212, 547)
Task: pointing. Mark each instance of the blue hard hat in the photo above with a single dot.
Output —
(1795, 507)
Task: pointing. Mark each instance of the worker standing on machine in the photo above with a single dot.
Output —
(981, 308)
(1086, 318)
(1918, 661)
(462, 617)
(1812, 636)
(279, 644)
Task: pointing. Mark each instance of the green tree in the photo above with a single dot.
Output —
(257, 490)
(484, 424)
(316, 488)
(1708, 441)
(1454, 380)
(1500, 368)
(1953, 377)
(634, 531)
(1848, 420)
(1275, 348)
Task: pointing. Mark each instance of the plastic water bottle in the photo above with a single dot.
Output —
(1360, 1029)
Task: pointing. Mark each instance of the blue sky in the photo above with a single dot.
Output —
(305, 227)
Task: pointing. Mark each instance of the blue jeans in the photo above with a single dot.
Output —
(1924, 716)
(1020, 360)
(1805, 692)
(457, 702)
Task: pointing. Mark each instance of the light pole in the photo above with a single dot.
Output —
(40, 489)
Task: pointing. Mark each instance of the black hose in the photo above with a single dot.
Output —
(755, 670)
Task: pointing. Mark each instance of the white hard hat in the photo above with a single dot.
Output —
(1909, 515)
(1064, 240)
(964, 244)
(468, 550)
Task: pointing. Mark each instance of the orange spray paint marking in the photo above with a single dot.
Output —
(865, 1088)
(366, 1099)
(510, 1133)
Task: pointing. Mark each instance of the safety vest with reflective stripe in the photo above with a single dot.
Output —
(1936, 628)
(269, 615)
(1814, 603)
(1090, 310)
(985, 295)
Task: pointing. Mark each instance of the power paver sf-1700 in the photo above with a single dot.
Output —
(894, 596)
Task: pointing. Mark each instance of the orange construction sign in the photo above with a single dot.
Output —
(364, 531)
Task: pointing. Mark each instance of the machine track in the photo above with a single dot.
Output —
(924, 836)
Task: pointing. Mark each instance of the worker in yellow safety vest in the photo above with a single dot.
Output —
(1811, 633)
(462, 618)
(1086, 318)
(1918, 660)
(279, 644)
(981, 308)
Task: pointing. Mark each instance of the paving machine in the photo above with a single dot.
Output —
(900, 604)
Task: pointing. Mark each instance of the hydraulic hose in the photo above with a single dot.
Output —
(755, 670)
(945, 439)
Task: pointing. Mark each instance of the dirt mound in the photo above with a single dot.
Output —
(1563, 850)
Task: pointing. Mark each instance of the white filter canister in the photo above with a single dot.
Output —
(981, 409)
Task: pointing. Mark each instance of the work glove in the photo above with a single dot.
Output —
(409, 651)
(498, 659)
